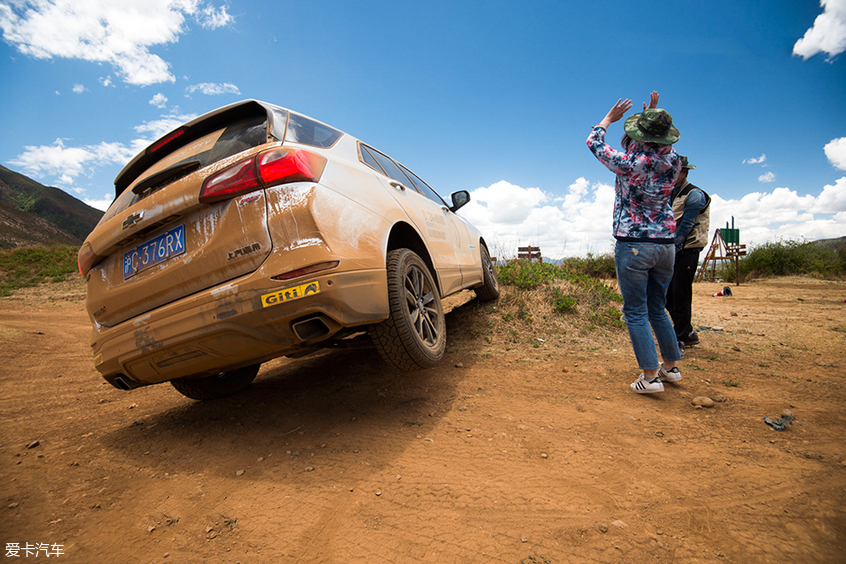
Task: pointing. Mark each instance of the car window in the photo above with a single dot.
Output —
(368, 158)
(423, 188)
(391, 168)
(309, 132)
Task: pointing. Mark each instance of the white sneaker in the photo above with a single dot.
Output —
(644, 386)
(671, 375)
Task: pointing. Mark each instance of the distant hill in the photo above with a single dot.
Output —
(833, 243)
(32, 214)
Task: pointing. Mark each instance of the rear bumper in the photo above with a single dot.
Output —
(243, 322)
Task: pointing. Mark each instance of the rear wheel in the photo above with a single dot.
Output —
(489, 290)
(414, 336)
(218, 386)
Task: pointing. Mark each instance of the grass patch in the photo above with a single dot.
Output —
(542, 302)
(731, 383)
(20, 268)
(561, 302)
(541, 295)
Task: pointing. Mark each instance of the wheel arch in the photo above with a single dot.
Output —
(404, 236)
(484, 244)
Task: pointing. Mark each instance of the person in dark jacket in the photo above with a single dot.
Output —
(692, 211)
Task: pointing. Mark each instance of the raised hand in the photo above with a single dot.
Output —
(618, 111)
(653, 101)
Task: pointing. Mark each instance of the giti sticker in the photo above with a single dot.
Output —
(290, 294)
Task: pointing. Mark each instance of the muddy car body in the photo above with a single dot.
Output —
(254, 232)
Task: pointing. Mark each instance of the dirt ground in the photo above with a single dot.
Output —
(528, 453)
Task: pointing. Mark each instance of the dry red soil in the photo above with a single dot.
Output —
(535, 452)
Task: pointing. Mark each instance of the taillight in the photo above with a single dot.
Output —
(86, 258)
(277, 166)
(239, 178)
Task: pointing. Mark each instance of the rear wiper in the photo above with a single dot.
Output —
(171, 172)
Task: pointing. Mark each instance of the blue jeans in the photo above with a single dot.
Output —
(644, 271)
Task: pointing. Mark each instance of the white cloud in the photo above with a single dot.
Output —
(507, 203)
(510, 216)
(212, 89)
(580, 222)
(759, 160)
(69, 162)
(828, 33)
(833, 198)
(107, 81)
(835, 151)
(165, 124)
(79, 89)
(116, 32)
(102, 204)
(213, 18)
(784, 215)
(159, 100)
(768, 177)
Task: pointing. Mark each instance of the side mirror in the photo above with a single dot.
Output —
(459, 199)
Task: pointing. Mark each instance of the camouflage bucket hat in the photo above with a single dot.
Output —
(686, 164)
(654, 125)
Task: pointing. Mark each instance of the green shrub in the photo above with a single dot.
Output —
(593, 266)
(789, 258)
(561, 302)
(527, 275)
(609, 316)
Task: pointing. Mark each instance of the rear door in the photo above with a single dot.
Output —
(427, 216)
(466, 246)
(160, 242)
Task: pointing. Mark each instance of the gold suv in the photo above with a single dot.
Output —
(254, 232)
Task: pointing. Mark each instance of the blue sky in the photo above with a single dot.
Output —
(492, 97)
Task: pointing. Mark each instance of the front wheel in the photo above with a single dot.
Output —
(218, 386)
(414, 335)
(489, 289)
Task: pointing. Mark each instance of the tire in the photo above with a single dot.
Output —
(219, 386)
(414, 335)
(489, 289)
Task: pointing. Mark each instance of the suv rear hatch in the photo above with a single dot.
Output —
(158, 241)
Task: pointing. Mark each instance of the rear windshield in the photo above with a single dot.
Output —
(236, 137)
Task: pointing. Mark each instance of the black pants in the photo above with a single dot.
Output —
(680, 292)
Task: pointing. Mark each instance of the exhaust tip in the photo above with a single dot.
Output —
(123, 382)
(310, 329)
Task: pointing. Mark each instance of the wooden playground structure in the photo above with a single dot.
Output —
(724, 246)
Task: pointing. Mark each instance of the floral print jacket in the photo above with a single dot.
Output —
(645, 177)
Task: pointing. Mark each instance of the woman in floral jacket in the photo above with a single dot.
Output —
(644, 227)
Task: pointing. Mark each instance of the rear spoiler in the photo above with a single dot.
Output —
(196, 128)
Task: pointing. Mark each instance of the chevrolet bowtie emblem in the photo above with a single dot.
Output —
(132, 220)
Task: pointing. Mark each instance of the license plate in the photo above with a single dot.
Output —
(152, 252)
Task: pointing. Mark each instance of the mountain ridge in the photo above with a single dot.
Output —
(32, 214)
